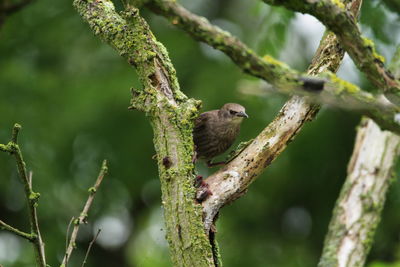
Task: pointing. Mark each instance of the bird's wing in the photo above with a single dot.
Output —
(201, 133)
(201, 123)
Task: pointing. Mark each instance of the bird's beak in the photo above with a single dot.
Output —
(242, 114)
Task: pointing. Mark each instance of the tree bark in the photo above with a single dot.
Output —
(358, 209)
(171, 114)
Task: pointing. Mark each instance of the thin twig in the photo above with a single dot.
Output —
(90, 246)
(31, 197)
(83, 216)
(7, 227)
(30, 178)
(5, 148)
(67, 235)
(15, 132)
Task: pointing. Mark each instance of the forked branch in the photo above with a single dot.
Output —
(31, 197)
(82, 218)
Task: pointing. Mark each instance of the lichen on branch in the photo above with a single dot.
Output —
(339, 20)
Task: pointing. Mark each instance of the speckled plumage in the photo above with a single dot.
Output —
(216, 130)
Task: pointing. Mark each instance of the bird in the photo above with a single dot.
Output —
(216, 130)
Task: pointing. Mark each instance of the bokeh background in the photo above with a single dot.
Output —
(70, 92)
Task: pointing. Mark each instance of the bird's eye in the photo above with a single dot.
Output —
(232, 112)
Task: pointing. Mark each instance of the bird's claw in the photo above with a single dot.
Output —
(203, 190)
(198, 181)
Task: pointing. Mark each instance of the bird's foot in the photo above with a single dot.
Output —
(203, 190)
(213, 164)
(198, 181)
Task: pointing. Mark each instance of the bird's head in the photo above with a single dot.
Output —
(233, 112)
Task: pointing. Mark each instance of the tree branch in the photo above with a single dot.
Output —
(7, 227)
(31, 197)
(376, 107)
(84, 214)
(335, 91)
(362, 50)
(90, 247)
(358, 209)
(171, 114)
(233, 180)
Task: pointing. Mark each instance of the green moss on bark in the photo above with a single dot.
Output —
(171, 115)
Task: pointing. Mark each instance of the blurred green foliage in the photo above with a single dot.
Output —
(70, 92)
(381, 264)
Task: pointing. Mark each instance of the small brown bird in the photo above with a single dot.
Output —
(216, 130)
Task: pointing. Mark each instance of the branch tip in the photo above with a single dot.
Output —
(104, 167)
(17, 127)
(84, 214)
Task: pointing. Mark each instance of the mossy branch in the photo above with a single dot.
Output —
(31, 197)
(82, 218)
(171, 114)
(339, 20)
(327, 88)
(7, 227)
(358, 209)
(268, 68)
